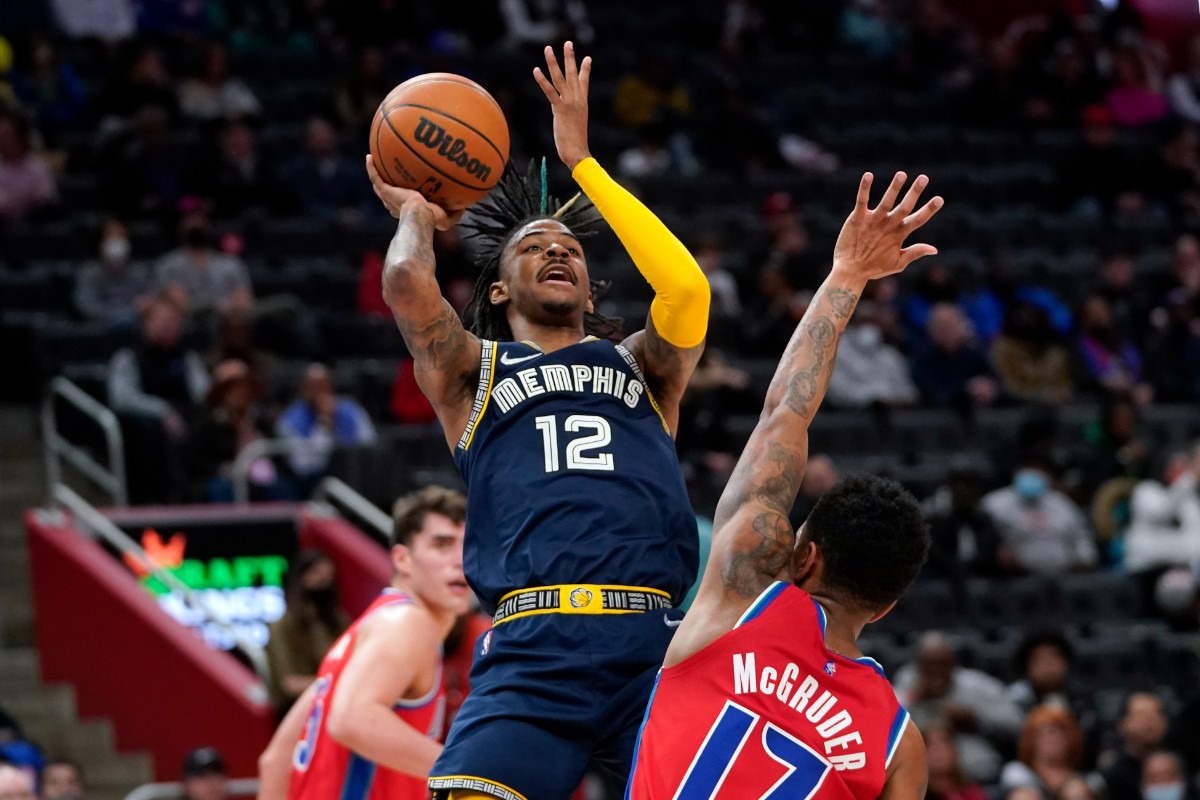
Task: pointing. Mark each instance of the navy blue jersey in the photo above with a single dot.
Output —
(572, 476)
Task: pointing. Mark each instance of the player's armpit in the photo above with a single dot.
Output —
(395, 648)
(907, 776)
(445, 355)
(667, 369)
(275, 763)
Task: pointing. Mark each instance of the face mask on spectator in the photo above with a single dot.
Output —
(114, 250)
(323, 597)
(1163, 791)
(1030, 484)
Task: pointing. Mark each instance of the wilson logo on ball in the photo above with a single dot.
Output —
(454, 150)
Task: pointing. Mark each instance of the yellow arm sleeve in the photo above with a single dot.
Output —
(681, 292)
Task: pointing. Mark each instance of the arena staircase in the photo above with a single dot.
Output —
(47, 712)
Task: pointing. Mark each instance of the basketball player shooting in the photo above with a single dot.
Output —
(582, 538)
(764, 692)
(367, 728)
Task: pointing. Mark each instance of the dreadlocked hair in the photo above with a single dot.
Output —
(516, 201)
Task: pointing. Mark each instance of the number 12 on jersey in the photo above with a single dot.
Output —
(579, 451)
(726, 738)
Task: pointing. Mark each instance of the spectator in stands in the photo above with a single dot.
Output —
(1136, 98)
(146, 83)
(946, 778)
(1183, 88)
(1112, 363)
(535, 22)
(649, 156)
(1025, 793)
(1069, 84)
(868, 26)
(1049, 752)
(202, 276)
(155, 386)
(950, 370)
(1101, 177)
(1030, 359)
(1163, 777)
(652, 94)
(1142, 728)
(774, 311)
(1043, 661)
(62, 779)
(819, 477)
(242, 179)
(726, 303)
(16, 784)
(1043, 531)
(788, 247)
(703, 439)
(963, 541)
(212, 93)
(357, 95)
(935, 687)
(321, 420)
(1164, 524)
(27, 183)
(1173, 354)
(1114, 447)
(204, 775)
(1126, 295)
(308, 628)
(113, 288)
(231, 419)
(49, 89)
(938, 48)
(110, 21)
(324, 182)
(1173, 175)
(870, 372)
(143, 177)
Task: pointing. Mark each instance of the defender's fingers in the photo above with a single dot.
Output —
(915, 251)
(864, 192)
(924, 213)
(889, 195)
(909, 202)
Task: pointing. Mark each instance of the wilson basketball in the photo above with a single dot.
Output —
(442, 135)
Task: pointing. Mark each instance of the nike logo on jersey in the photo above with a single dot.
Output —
(508, 362)
(671, 623)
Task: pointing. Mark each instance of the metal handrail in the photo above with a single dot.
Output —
(90, 516)
(240, 471)
(55, 446)
(235, 787)
(337, 489)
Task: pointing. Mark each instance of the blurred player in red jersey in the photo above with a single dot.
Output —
(369, 726)
(764, 692)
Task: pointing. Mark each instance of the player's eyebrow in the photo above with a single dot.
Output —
(539, 231)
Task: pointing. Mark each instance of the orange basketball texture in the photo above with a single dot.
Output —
(442, 135)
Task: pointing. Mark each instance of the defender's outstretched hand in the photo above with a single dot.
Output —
(395, 199)
(871, 244)
(567, 91)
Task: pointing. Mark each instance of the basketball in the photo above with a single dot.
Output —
(443, 136)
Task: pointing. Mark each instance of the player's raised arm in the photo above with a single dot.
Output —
(445, 355)
(673, 340)
(752, 538)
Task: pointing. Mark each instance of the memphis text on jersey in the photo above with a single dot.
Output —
(532, 381)
(835, 726)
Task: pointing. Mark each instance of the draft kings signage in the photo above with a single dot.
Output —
(234, 569)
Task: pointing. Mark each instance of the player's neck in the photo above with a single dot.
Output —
(842, 627)
(547, 337)
(445, 619)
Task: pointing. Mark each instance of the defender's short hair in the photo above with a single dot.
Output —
(873, 539)
(409, 512)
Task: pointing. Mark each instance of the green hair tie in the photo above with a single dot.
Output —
(544, 205)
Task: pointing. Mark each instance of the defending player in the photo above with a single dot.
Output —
(764, 692)
(367, 728)
(566, 444)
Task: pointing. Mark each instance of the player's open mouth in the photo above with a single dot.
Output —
(556, 273)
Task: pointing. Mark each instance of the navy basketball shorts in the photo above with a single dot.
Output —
(551, 694)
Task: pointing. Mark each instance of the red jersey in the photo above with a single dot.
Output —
(768, 711)
(323, 769)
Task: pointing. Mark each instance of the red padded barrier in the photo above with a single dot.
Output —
(163, 688)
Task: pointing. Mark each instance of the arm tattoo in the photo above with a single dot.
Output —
(437, 344)
(414, 238)
(768, 475)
